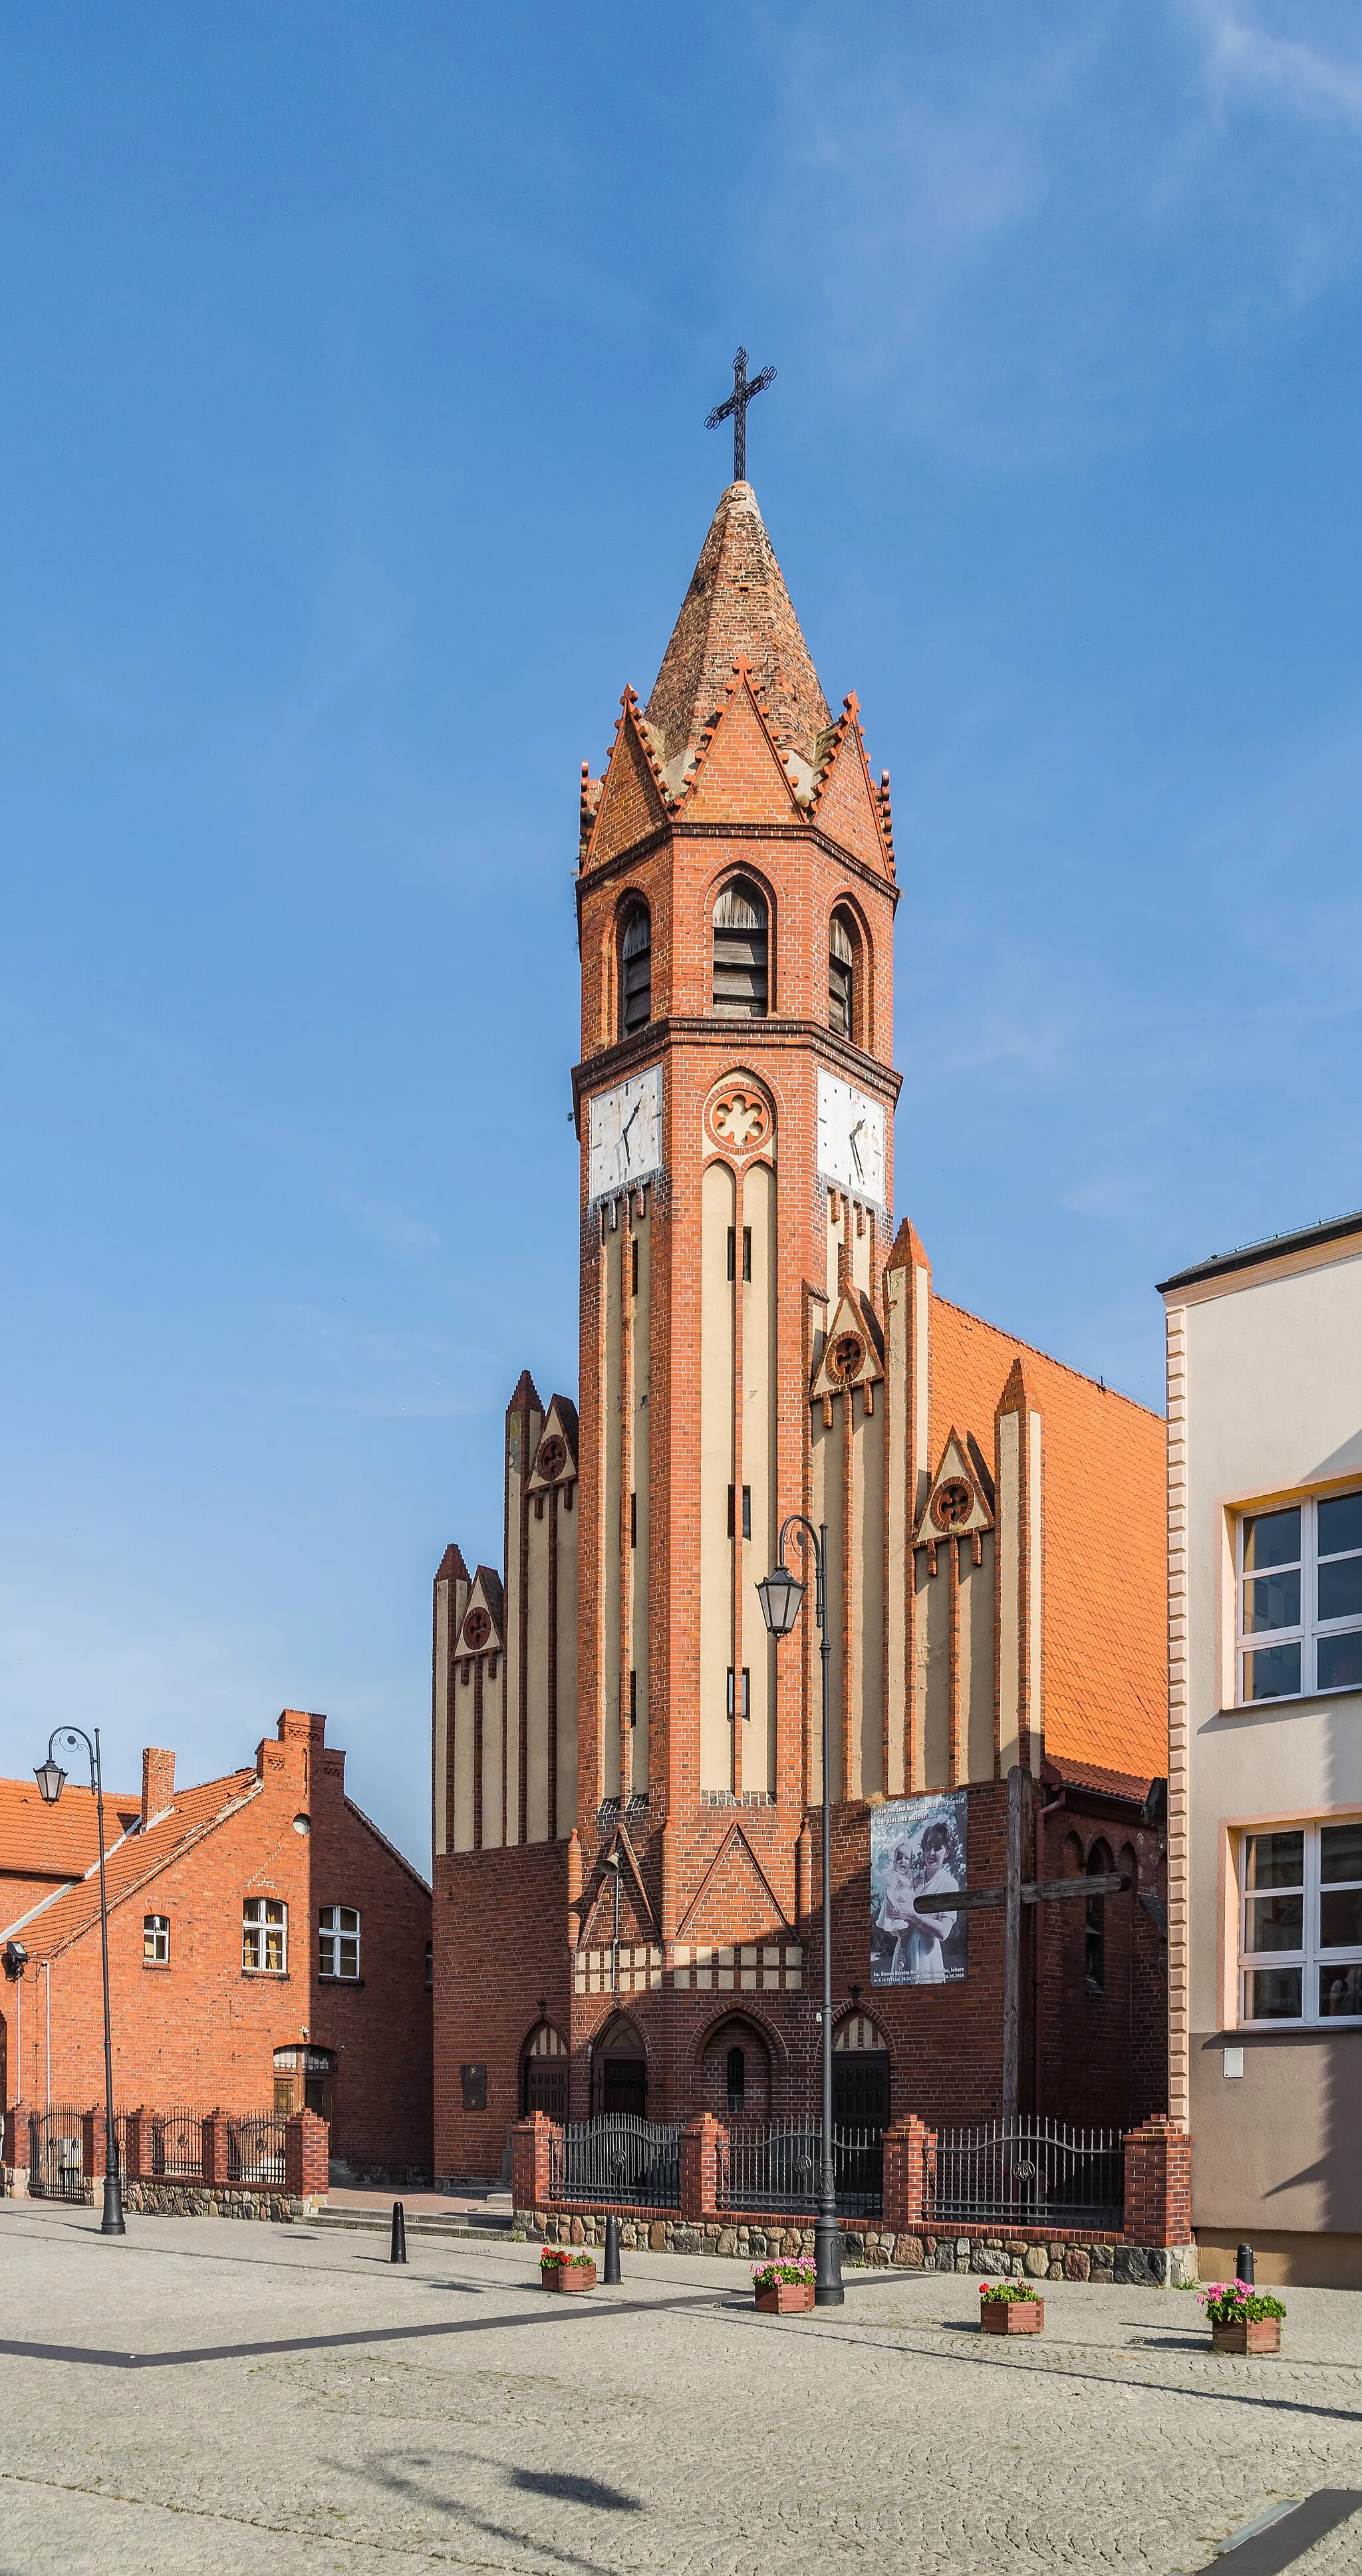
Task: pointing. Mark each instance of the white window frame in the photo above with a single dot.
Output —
(156, 1930)
(260, 1916)
(338, 1927)
(1309, 1629)
(1313, 1956)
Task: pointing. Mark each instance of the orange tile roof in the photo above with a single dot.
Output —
(129, 1864)
(1104, 1604)
(61, 1842)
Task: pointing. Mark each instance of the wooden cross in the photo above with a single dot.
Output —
(736, 406)
(1016, 1893)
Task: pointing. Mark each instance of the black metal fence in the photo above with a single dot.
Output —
(171, 2146)
(56, 2155)
(775, 2165)
(255, 2151)
(617, 2157)
(1018, 2173)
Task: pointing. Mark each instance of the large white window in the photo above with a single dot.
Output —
(1300, 1598)
(1300, 1924)
(339, 1941)
(264, 1935)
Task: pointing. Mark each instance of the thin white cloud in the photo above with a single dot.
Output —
(1243, 54)
(360, 1369)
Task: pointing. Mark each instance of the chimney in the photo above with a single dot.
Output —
(301, 1726)
(158, 1781)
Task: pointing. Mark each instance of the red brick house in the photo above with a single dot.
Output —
(626, 1767)
(268, 1948)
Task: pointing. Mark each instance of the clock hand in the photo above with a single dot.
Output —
(855, 1148)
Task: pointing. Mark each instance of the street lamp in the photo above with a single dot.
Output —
(51, 1781)
(780, 1595)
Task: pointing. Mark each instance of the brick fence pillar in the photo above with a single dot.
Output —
(907, 2147)
(700, 2141)
(94, 2145)
(1158, 2183)
(531, 2161)
(215, 2150)
(307, 2151)
(132, 2146)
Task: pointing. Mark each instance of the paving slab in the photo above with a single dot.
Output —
(211, 2394)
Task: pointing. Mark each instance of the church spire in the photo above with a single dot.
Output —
(737, 603)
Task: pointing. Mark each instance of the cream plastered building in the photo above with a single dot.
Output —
(1265, 1770)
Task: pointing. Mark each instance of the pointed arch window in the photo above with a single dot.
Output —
(841, 977)
(636, 969)
(740, 952)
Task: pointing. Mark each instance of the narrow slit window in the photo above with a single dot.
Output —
(633, 1265)
(746, 1691)
(633, 1520)
(636, 970)
(741, 952)
(633, 1697)
(746, 1252)
(841, 978)
(746, 1511)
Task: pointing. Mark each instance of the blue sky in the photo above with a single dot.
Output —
(351, 462)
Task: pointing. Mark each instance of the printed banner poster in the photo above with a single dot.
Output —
(917, 1848)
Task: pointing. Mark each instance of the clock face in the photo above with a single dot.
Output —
(850, 1139)
(624, 1134)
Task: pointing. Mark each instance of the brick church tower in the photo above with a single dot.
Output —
(624, 1762)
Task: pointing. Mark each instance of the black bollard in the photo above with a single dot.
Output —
(1243, 2263)
(399, 2252)
(612, 2251)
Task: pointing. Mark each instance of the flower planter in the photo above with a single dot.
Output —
(1248, 2334)
(787, 2299)
(568, 2276)
(1012, 2316)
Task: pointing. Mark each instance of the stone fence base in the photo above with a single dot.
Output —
(199, 2200)
(1104, 2262)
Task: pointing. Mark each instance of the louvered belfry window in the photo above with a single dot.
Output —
(841, 964)
(636, 970)
(740, 941)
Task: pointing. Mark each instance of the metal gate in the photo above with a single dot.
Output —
(56, 2155)
(617, 2158)
(1014, 2172)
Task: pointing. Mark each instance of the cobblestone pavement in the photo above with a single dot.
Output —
(460, 2418)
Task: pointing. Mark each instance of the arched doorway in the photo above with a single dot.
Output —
(735, 2071)
(544, 2074)
(619, 2069)
(860, 2074)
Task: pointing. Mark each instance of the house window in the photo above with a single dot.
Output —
(1300, 1598)
(264, 1935)
(841, 969)
(156, 1939)
(740, 952)
(1300, 1924)
(636, 970)
(746, 1691)
(338, 1941)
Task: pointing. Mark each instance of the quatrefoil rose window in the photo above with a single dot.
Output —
(739, 1118)
(952, 1506)
(845, 1357)
(477, 1628)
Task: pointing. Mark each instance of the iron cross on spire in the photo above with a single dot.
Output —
(738, 400)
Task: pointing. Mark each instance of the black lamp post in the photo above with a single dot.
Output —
(51, 1781)
(780, 1596)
